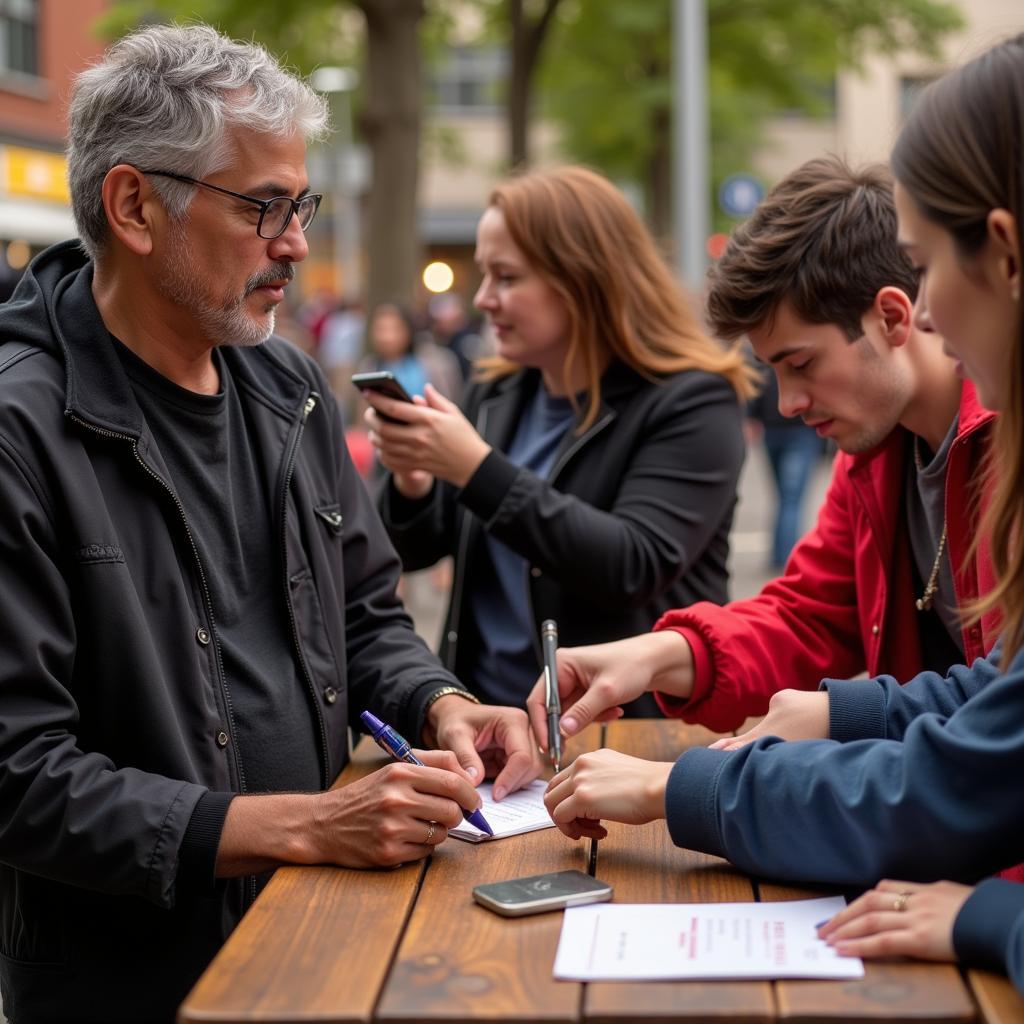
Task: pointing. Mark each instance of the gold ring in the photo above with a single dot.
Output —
(432, 828)
(900, 903)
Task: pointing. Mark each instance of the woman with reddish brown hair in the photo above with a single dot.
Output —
(590, 474)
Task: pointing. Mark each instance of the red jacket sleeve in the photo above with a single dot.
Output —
(797, 630)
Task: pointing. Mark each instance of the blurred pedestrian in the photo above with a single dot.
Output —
(396, 345)
(793, 450)
(590, 475)
(342, 339)
(453, 329)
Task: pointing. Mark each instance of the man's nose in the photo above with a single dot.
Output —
(792, 400)
(291, 244)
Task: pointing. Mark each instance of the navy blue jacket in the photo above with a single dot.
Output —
(920, 782)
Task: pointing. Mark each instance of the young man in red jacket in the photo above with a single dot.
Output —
(817, 282)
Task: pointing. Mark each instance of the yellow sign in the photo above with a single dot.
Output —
(34, 172)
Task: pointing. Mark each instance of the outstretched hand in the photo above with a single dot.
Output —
(594, 682)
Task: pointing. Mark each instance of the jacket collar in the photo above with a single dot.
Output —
(511, 392)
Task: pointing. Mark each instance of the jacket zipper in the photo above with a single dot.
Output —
(458, 584)
(324, 759)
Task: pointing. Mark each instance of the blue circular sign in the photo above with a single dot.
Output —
(739, 195)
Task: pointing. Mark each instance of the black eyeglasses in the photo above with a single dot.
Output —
(275, 214)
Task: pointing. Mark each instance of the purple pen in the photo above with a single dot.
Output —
(387, 739)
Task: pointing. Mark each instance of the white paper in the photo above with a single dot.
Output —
(522, 811)
(671, 941)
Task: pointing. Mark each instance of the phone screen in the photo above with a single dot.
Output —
(382, 381)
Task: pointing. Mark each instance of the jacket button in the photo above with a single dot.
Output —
(874, 630)
(452, 636)
(330, 695)
(535, 572)
(222, 739)
(203, 635)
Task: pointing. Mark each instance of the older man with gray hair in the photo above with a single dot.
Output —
(197, 596)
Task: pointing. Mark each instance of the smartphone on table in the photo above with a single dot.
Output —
(535, 894)
(384, 383)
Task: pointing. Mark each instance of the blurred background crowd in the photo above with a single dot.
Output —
(434, 100)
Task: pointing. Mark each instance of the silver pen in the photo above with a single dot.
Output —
(549, 644)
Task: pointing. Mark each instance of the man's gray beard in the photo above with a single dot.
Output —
(227, 324)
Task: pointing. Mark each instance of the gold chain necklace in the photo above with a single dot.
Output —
(924, 602)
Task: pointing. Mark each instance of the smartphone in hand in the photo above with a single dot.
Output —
(384, 383)
(535, 894)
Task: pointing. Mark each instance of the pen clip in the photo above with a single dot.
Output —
(550, 692)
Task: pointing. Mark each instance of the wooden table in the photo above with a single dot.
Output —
(331, 944)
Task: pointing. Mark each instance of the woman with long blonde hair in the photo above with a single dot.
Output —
(590, 473)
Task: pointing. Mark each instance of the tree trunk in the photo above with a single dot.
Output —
(527, 38)
(518, 89)
(390, 124)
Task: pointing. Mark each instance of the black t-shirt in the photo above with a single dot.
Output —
(219, 476)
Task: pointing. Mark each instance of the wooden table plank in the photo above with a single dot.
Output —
(998, 1001)
(899, 990)
(644, 866)
(461, 962)
(315, 946)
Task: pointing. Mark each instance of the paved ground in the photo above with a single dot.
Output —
(750, 541)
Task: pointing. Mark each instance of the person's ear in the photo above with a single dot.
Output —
(894, 311)
(1004, 241)
(130, 205)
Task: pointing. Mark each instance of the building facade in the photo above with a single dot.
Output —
(43, 45)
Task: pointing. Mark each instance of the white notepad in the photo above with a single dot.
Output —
(522, 811)
(678, 941)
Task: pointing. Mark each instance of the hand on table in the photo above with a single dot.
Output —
(875, 926)
(606, 784)
(792, 714)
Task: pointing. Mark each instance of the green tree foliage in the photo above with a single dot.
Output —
(606, 77)
(305, 37)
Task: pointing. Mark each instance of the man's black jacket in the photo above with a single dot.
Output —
(114, 714)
